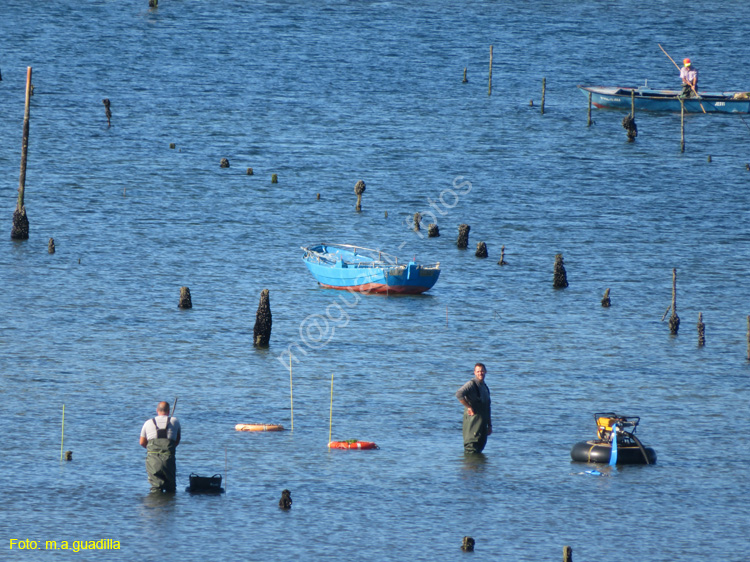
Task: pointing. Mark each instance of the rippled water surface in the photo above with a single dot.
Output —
(323, 96)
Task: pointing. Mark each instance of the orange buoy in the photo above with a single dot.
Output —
(258, 427)
(353, 444)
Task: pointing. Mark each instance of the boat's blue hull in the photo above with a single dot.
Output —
(646, 99)
(338, 268)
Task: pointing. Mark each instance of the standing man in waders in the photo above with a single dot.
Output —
(475, 396)
(160, 436)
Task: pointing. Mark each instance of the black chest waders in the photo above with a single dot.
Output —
(160, 461)
(475, 427)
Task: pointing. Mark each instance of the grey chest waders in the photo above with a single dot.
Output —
(160, 461)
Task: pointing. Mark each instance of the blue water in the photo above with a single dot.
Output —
(323, 96)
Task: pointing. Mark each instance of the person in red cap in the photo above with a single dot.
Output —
(689, 76)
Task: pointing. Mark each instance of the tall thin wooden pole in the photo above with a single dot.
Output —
(632, 103)
(589, 121)
(674, 320)
(291, 390)
(330, 417)
(544, 89)
(682, 126)
(20, 230)
(25, 146)
(489, 91)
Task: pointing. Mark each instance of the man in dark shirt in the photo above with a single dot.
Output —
(477, 424)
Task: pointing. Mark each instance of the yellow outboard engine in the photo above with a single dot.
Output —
(621, 429)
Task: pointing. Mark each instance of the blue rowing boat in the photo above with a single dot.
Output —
(342, 266)
(647, 99)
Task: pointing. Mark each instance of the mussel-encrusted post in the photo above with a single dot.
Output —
(224, 163)
(359, 189)
(433, 231)
(674, 320)
(262, 329)
(51, 246)
(185, 300)
(467, 544)
(481, 250)
(560, 278)
(628, 123)
(286, 500)
(701, 331)
(567, 554)
(463, 236)
(417, 220)
(605, 299)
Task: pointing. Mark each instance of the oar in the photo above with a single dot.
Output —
(678, 68)
(613, 454)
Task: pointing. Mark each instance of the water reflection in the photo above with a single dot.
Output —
(475, 462)
(156, 504)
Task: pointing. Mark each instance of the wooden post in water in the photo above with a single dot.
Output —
(489, 91)
(674, 320)
(588, 124)
(185, 300)
(701, 331)
(465, 80)
(567, 554)
(502, 256)
(632, 103)
(560, 277)
(682, 126)
(544, 89)
(606, 303)
(108, 112)
(20, 230)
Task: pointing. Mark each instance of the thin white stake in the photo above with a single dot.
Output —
(291, 390)
(62, 436)
(330, 422)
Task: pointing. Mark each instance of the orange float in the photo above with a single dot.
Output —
(352, 444)
(258, 427)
